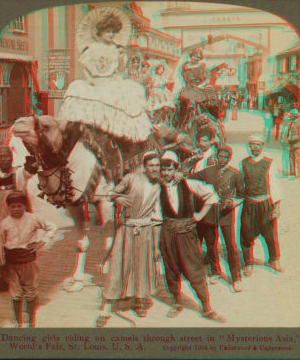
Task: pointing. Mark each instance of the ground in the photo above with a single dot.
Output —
(267, 300)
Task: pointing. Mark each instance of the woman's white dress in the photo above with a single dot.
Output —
(104, 99)
(159, 95)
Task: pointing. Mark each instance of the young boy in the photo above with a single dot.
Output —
(18, 245)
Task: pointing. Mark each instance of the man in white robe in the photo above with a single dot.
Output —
(131, 261)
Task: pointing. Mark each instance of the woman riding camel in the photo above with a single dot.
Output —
(104, 99)
(197, 94)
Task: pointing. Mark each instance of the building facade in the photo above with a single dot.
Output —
(283, 85)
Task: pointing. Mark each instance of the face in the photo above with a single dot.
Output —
(152, 168)
(195, 57)
(223, 158)
(17, 210)
(168, 172)
(160, 70)
(135, 64)
(204, 143)
(145, 69)
(255, 148)
(5, 159)
(107, 35)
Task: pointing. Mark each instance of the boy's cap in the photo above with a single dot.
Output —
(16, 197)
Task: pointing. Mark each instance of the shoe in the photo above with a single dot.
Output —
(237, 286)
(214, 279)
(212, 315)
(172, 313)
(248, 270)
(275, 265)
(140, 312)
(102, 320)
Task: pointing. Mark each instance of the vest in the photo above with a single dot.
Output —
(8, 183)
(256, 176)
(185, 208)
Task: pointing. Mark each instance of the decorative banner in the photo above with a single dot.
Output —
(56, 68)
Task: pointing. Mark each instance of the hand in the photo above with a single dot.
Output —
(123, 201)
(274, 214)
(197, 216)
(34, 246)
(60, 80)
(178, 177)
(31, 165)
(227, 204)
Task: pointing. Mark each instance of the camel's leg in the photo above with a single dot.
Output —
(75, 283)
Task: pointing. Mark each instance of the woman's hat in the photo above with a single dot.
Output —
(87, 29)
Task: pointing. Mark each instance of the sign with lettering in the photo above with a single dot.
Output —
(56, 71)
(14, 44)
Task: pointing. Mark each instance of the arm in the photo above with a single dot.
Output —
(22, 177)
(275, 192)
(205, 192)
(118, 194)
(239, 188)
(50, 230)
(200, 175)
(2, 240)
(157, 221)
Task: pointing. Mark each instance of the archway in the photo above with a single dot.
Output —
(17, 93)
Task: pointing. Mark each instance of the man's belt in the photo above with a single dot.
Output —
(179, 226)
(137, 224)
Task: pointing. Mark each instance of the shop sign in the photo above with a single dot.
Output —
(56, 72)
(14, 44)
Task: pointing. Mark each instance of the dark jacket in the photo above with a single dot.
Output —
(227, 185)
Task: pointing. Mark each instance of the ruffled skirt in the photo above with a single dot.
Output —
(113, 105)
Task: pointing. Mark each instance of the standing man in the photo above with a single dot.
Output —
(11, 178)
(205, 156)
(179, 244)
(227, 184)
(261, 206)
(131, 262)
(294, 144)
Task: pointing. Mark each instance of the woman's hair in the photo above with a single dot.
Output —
(111, 22)
(134, 59)
(196, 52)
(145, 63)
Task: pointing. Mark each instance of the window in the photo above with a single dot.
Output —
(18, 25)
(250, 70)
(292, 63)
(279, 66)
(284, 65)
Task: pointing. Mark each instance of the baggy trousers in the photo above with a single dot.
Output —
(210, 234)
(181, 254)
(254, 222)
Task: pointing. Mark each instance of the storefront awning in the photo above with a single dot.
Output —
(281, 87)
(15, 57)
